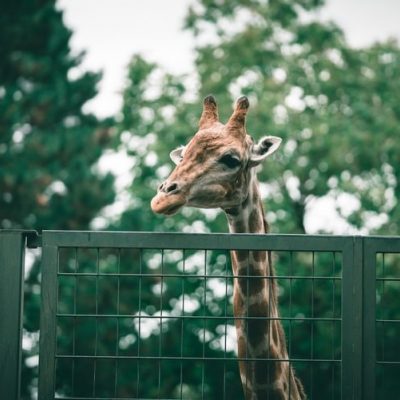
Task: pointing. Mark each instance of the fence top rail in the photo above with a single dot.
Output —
(204, 241)
(382, 244)
(195, 241)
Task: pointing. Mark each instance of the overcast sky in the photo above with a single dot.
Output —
(111, 31)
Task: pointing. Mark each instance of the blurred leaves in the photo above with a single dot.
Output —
(336, 108)
(48, 145)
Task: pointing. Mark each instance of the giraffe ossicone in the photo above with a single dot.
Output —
(216, 169)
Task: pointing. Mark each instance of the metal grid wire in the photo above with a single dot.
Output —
(387, 325)
(159, 324)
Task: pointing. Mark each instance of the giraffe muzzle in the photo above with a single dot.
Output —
(169, 199)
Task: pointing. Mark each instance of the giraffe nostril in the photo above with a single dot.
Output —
(171, 188)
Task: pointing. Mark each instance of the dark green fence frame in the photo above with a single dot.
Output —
(12, 256)
(358, 364)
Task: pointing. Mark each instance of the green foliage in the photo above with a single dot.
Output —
(335, 107)
(49, 147)
(332, 104)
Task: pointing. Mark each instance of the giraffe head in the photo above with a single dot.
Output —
(214, 169)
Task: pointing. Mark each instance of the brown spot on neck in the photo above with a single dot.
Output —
(256, 223)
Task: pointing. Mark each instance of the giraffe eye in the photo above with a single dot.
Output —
(230, 161)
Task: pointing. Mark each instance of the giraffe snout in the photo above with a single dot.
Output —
(169, 198)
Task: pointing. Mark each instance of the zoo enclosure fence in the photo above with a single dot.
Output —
(335, 294)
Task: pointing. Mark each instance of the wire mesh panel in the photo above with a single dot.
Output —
(143, 323)
(388, 325)
(150, 316)
(383, 318)
(310, 286)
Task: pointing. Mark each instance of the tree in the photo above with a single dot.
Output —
(49, 146)
(332, 104)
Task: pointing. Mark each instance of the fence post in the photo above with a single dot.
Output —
(48, 307)
(369, 318)
(12, 254)
(352, 309)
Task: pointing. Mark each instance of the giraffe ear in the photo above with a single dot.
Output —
(264, 148)
(177, 154)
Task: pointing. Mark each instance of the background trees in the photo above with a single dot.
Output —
(49, 146)
(335, 107)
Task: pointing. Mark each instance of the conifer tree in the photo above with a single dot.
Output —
(48, 146)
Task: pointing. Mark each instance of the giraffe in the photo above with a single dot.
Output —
(217, 169)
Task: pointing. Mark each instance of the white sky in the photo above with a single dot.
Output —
(111, 31)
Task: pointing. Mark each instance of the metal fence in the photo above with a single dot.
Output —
(149, 315)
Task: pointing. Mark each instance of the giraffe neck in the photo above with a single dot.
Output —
(258, 338)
